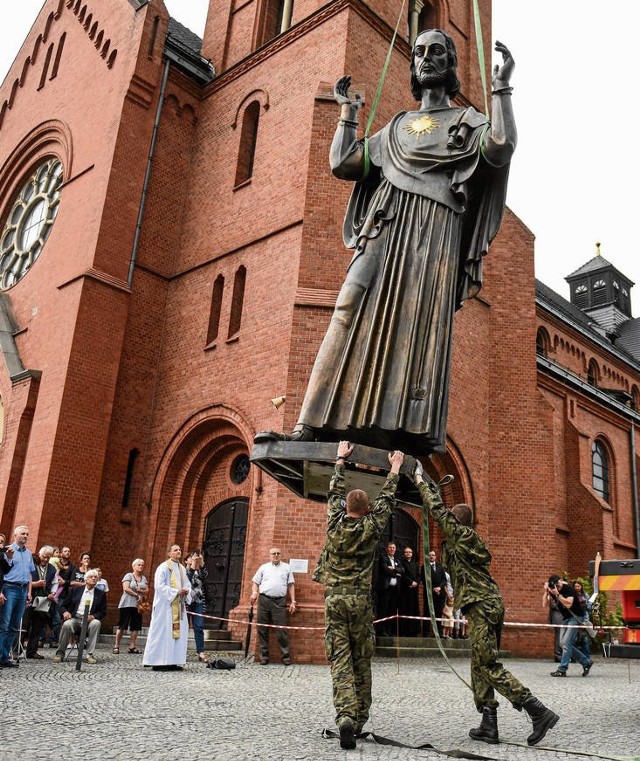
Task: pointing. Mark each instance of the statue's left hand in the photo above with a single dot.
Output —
(341, 93)
(502, 74)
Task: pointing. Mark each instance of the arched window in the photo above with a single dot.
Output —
(593, 373)
(599, 292)
(248, 140)
(275, 19)
(581, 296)
(542, 342)
(128, 480)
(237, 301)
(422, 15)
(216, 307)
(600, 469)
(635, 396)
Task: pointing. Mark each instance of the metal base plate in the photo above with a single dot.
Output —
(306, 467)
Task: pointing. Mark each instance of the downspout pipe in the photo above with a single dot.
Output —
(634, 486)
(147, 174)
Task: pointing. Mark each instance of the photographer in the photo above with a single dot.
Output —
(565, 597)
(197, 573)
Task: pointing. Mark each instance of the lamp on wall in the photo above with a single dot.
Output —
(278, 401)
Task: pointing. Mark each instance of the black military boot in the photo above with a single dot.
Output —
(487, 732)
(543, 719)
(347, 734)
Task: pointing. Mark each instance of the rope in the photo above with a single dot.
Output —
(376, 97)
(480, 49)
(427, 582)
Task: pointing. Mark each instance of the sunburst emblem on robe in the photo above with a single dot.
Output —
(421, 125)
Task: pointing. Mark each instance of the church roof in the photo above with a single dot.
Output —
(626, 345)
(184, 48)
(630, 336)
(184, 36)
(597, 263)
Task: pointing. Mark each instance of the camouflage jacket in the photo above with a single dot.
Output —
(465, 555)
(347, 557)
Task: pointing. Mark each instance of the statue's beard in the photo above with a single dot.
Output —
(431, 79)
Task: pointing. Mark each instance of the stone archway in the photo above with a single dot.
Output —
(197, 471)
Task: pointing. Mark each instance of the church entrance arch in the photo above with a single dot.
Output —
(223, 549)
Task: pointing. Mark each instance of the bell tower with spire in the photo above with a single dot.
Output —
(602, 291)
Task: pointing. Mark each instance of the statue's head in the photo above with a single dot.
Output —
(448, 77)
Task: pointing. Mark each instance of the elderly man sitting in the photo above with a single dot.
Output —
(73, 610)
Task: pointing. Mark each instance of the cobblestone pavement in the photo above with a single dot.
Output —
(117, 709)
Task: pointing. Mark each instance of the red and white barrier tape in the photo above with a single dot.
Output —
(396, 616)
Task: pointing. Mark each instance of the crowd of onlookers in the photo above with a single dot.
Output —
(44, 596)
(401, 588)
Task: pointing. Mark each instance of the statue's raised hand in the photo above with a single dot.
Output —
(341, 93)
(502, 74)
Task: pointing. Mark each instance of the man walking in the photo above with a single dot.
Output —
(566, 599)
(16, 588)
(345, 567)
(269, 589)
(468, 560)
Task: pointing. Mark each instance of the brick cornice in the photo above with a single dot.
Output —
(315, 297)
(99, 276)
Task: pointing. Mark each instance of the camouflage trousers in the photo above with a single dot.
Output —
(349, 643)
(487, 673)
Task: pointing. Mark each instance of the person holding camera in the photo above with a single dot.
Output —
(569, 605)
(468, 560)
(197, 573)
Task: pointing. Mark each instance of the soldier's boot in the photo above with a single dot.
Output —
(543, 719)
(487, 732)
(347, 734)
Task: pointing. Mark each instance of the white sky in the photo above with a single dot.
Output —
(573, 177)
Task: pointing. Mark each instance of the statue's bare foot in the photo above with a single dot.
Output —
(299, 433)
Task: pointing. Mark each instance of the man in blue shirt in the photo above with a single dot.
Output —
(16, 588)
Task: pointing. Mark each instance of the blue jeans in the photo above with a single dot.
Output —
(198, 625)
(11, 618)
(568, 638)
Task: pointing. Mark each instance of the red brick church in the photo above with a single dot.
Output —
(170, 252)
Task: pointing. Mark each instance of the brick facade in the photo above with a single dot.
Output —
(118, 364)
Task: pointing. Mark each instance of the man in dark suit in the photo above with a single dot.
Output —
(438, 586)
(389, 576)
(72, 610)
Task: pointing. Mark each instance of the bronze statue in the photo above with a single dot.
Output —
(420, 220)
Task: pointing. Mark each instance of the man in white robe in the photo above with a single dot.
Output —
(166, 647)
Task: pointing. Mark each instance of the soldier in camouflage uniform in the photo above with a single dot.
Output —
(467, 559)
(345, 568)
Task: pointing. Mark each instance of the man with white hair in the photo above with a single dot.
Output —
(16, 589)
(44, 585)
(72, 610)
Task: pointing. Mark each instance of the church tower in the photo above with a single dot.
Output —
(602, 291)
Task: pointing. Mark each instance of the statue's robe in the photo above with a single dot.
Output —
(420, 223)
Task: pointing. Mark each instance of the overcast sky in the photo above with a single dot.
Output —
(574, 175)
